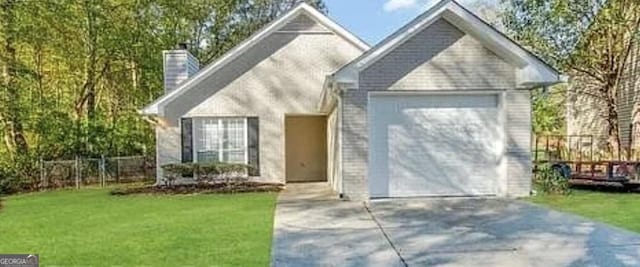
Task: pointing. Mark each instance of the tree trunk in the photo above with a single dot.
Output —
(86, 101)
(10, 116)
(610, 93)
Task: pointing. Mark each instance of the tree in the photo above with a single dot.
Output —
(548, 109)
(74, 73)
(11, 71)
(588, 39)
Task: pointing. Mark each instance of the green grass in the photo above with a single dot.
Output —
(92, 228)
(619, 209)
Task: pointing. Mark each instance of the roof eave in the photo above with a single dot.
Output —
(149, 111)
(537, 75)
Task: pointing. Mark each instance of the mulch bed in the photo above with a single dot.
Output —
(219, 188)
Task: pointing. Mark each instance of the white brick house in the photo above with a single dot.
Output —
(439, 108)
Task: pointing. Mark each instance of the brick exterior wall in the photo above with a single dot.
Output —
(518, 128)
(355, 144)
(179, 65)
(283, 74)
(441, 57)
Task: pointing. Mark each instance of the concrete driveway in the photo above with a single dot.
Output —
(312, 228)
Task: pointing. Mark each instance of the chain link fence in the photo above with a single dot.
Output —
(101, 172)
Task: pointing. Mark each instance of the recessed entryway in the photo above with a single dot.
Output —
(306, 148)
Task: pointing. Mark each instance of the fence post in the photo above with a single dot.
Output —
(145, 173)
(117, 170)
(102, 171)
(77, 167)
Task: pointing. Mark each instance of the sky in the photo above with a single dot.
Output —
(373, 20)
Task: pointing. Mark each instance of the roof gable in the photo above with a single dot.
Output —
(532, 71)
(301, 19)
(303, 23)
(439, 57)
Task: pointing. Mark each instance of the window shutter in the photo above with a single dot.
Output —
(187, 139)
(253, 145)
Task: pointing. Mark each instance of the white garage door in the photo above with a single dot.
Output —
(434, 145)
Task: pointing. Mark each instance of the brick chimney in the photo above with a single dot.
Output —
(179, 65)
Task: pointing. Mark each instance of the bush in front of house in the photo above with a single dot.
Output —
(175, 171)
(221, 173)
(209, 173)
(201, 188)
(209, 178)
(550, 180)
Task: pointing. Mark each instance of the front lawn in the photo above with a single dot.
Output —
(92, 228)
(619, 209)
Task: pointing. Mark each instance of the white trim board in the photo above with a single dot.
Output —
(156, 108)
(436, 92)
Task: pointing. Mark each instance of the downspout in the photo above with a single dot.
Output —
(335, 91)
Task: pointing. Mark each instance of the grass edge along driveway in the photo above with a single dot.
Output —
(92, 228)
(618, 209)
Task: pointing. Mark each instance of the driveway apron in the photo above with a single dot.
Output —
(313, 228)
(500, 232)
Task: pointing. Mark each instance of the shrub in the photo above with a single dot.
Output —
(206, 172)
(201, 188)
(552, 180)
(12, 180)
(174, 171)
(8, 182)
(225, 172)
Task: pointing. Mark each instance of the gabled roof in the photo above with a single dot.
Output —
(302, 8)
(532, 71)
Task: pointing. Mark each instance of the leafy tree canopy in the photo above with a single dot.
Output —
(74, 73)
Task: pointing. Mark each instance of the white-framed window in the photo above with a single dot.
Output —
(220, 140)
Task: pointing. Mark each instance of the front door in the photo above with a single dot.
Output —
(306, 148)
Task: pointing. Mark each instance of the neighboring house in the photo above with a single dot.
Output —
(628, 100)
(440, 108)
(584, 113)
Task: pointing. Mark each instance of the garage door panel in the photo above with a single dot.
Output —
(439, 101)
(434, 145)
(468, 129)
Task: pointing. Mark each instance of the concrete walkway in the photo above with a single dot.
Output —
(314, 228)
